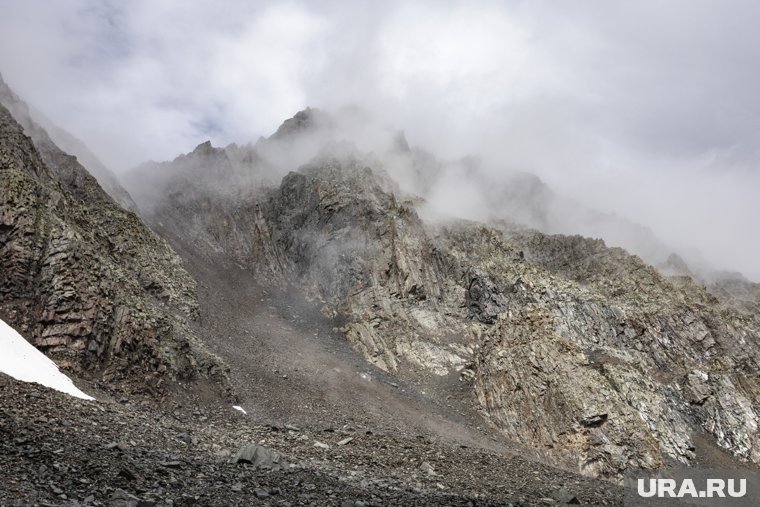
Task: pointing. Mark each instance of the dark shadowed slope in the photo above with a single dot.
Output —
(88, 282)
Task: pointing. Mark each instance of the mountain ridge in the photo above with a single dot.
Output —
(323, 298)
(620, 365)
(52, 141)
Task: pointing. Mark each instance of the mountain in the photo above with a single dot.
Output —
(379, 350)
(85, 280)
(581, 352)
(51, 139)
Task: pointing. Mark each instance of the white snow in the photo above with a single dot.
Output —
(20, 360)
(237, 407)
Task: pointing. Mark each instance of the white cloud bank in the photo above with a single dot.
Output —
(648, 109)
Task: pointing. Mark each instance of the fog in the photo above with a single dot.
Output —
(648, 110)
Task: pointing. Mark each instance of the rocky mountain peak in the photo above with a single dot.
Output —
(580, 351)
(205, 148)
(65, 153)
(303, 121)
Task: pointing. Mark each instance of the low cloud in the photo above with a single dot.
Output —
(645, 109)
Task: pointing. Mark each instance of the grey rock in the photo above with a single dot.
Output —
(483, 298)
(121, 498)
(261, 457)
(428, 468)
(564, 496)
(127, 473)
(121, 446)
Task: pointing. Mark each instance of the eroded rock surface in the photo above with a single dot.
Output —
(573, 348)
(86, 281)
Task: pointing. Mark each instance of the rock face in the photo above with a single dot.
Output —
(86, 281)
(581, 351)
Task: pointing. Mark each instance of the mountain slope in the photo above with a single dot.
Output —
(87, 281)
(51, 140)
(580, 351)
(50, 456)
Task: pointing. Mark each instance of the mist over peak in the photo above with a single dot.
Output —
(469, 187)
(657, 127)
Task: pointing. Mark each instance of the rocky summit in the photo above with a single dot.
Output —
(287, 323)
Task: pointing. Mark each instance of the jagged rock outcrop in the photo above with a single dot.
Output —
(303, 121)
(197, 176)
(576, 349)
(484, 299)
(337, 224)
(737, 290)
(50, 141)
(85, 280)
(647, 358)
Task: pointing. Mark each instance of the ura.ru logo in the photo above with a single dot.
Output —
(670, 488)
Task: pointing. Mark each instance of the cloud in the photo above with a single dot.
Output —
(648, 109)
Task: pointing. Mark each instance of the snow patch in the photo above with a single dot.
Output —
(22, 361)
(239, 408)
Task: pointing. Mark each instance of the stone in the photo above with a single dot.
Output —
(483, 298)
(121, 446)
(260, 457)
(127, 474)
(428, 468)
(121, 498)
(564, 496)
(572, 347)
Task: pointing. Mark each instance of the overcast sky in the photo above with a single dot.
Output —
(650, 109)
